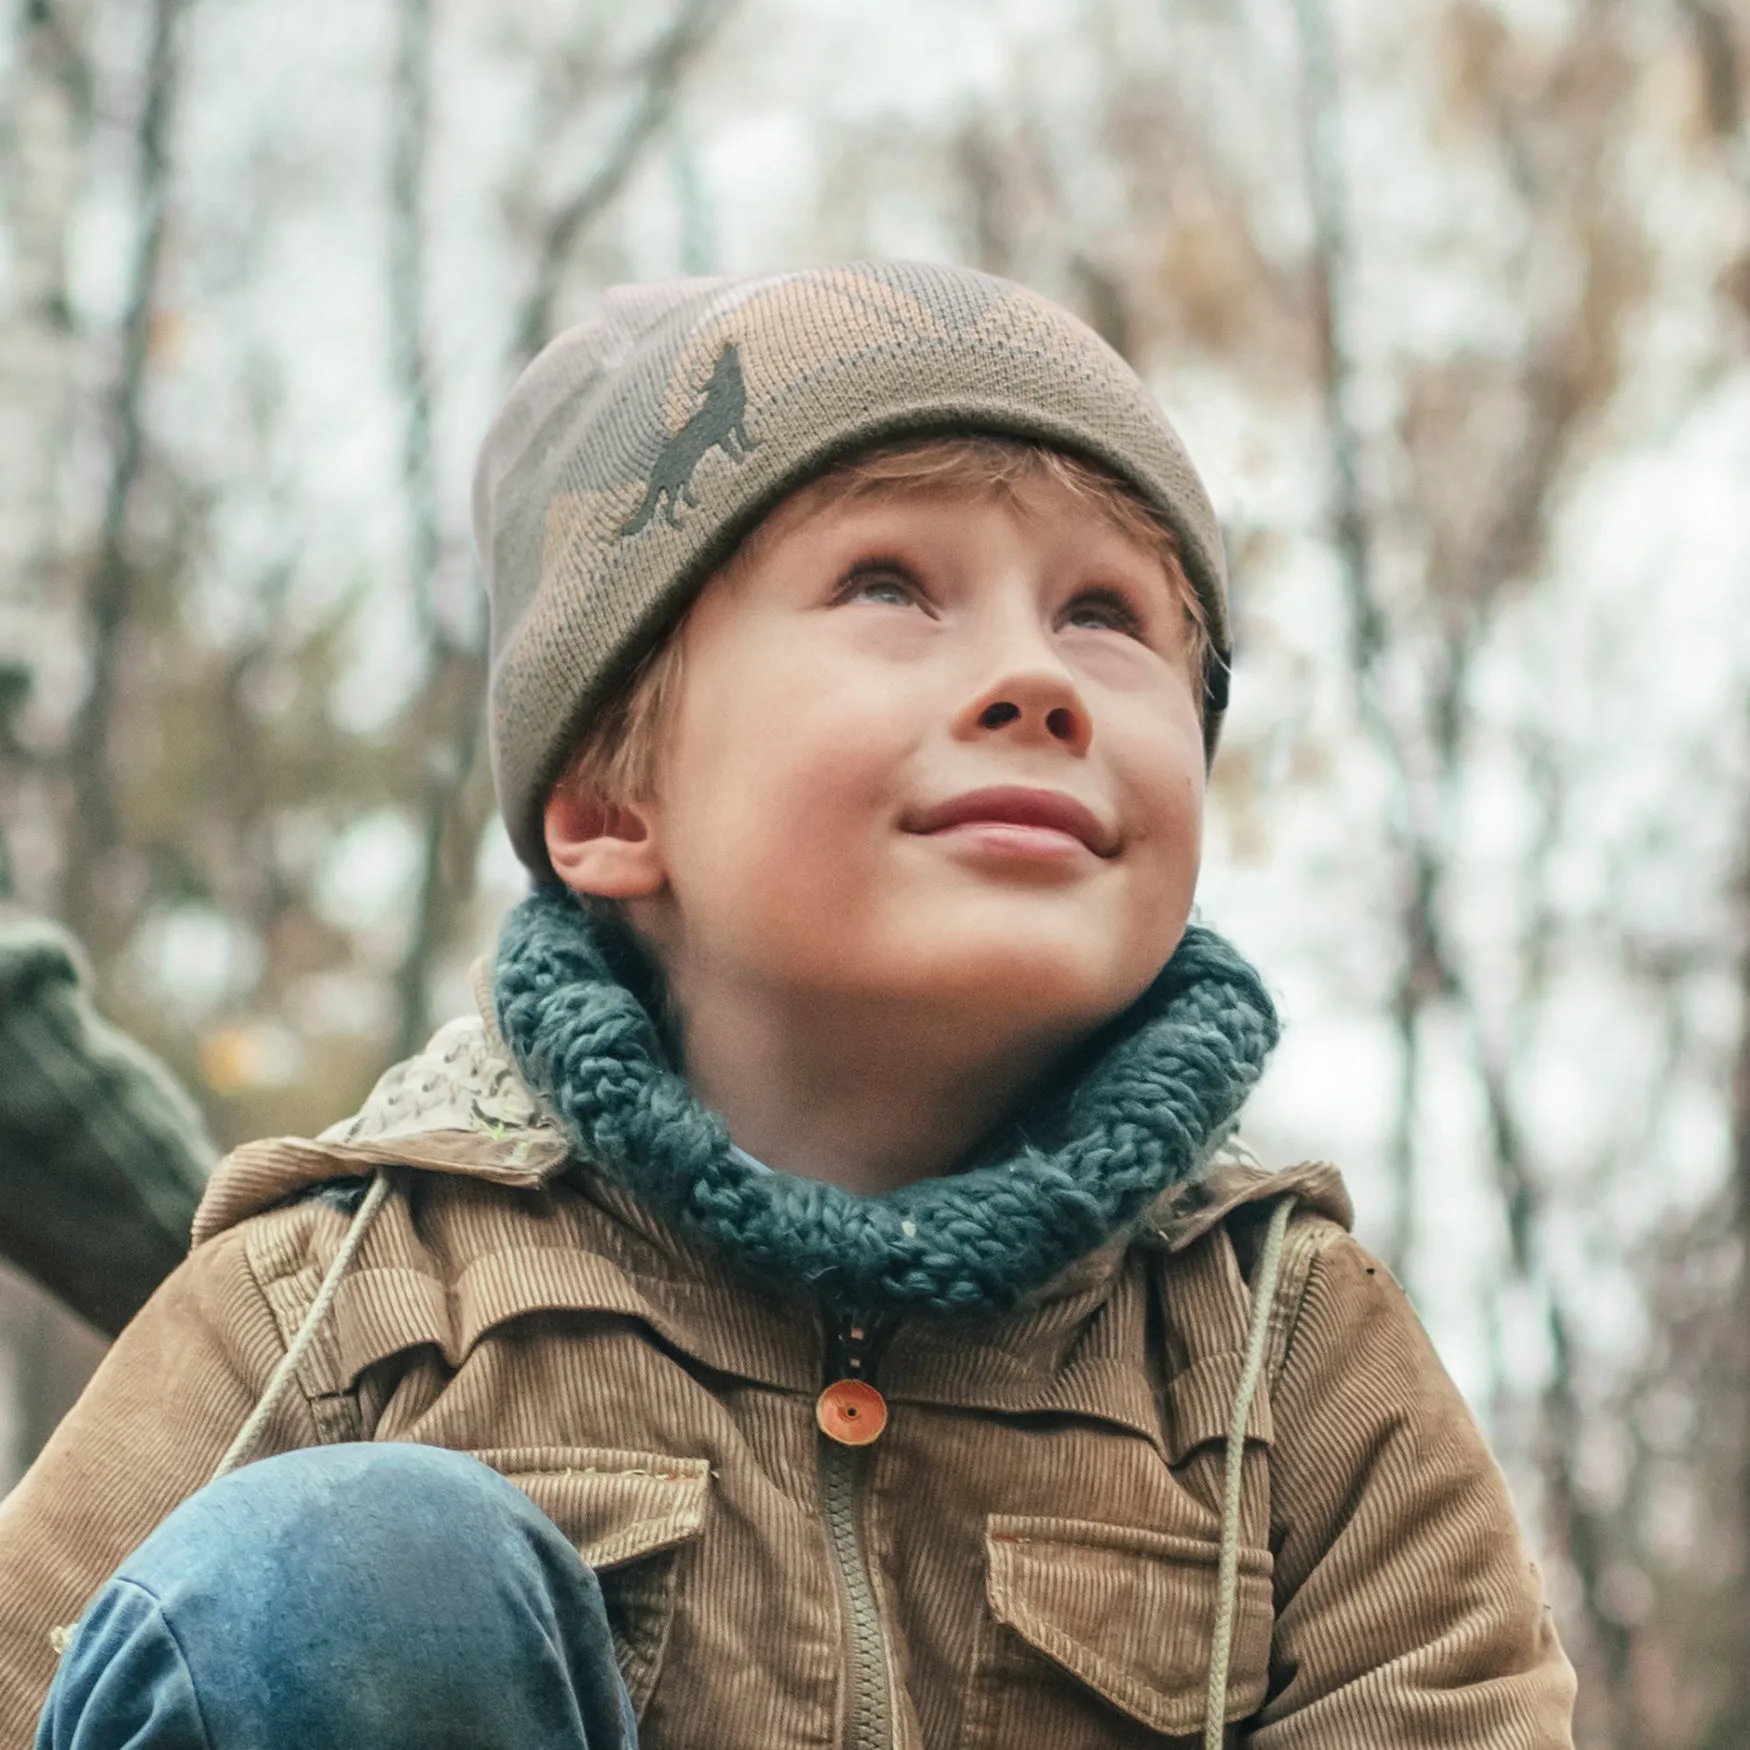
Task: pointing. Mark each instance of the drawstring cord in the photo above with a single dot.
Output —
(1228, 1573)
(281, 1377)
(60, 1636)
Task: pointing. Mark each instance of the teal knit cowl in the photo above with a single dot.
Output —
(1138, 1109)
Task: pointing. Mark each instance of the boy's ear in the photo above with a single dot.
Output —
(603, 849)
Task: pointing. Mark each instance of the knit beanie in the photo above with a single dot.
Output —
(639, 447)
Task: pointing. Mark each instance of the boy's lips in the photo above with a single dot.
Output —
(1017, 805)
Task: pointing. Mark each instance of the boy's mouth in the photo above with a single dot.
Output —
(1018, 806)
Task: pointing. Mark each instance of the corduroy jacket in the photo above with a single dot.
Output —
(1027, 1556)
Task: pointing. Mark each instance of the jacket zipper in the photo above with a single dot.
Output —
(869, 1725)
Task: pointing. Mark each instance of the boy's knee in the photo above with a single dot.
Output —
(399, 1589)
(385, 1528)
(336, 1508)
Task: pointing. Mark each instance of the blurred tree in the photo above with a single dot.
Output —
(195, 812)
(1484, 441)
(93, 823)
(457, 801)
(47, 129)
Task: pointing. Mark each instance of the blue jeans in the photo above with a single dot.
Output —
(371, 1597)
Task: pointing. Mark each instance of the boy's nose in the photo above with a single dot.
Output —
(1036, 707)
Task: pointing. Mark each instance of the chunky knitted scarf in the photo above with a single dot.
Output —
(1141, 1108)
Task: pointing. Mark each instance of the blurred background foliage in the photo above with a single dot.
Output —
(1450, 297)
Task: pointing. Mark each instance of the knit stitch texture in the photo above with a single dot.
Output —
(1141, 1109)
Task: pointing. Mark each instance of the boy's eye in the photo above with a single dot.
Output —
(1104, 610)
(887, 585)
(884, 589)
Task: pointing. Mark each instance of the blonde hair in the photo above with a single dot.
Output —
(618, 757)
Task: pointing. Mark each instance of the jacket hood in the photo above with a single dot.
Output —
(458, 1107)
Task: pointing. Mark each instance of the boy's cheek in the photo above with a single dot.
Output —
(818, 785)
(789, 847)
(804, 723)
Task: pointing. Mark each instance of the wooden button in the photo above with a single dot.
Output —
(851, 1412)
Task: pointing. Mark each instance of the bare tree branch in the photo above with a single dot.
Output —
(1353, 538)
(450, 708)
(453, 815)
(411, 108)
(1320, 118)
(660, 78)
(1584, 1533)
(1561, 373)
(1716, 46)
(1738, 1704)
(109, 593)
(54, 40)
(410, 101)
(44, 151)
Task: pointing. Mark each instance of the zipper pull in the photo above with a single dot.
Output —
(850, 1410)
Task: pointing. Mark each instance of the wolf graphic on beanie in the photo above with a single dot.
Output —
(721, 424)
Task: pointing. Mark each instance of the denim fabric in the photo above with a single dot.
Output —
(373, 1596)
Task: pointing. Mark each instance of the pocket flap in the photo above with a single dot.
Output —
(1131, 1613)
(1200, 1405)
(614, 1506)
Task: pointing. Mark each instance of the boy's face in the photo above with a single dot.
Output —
(928, 747)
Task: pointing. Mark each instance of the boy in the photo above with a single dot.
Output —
(830, 1226)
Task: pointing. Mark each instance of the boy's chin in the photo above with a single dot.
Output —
(1050, 986)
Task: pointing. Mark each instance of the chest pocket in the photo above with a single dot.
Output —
(632, 1517)
(1098, 1637)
